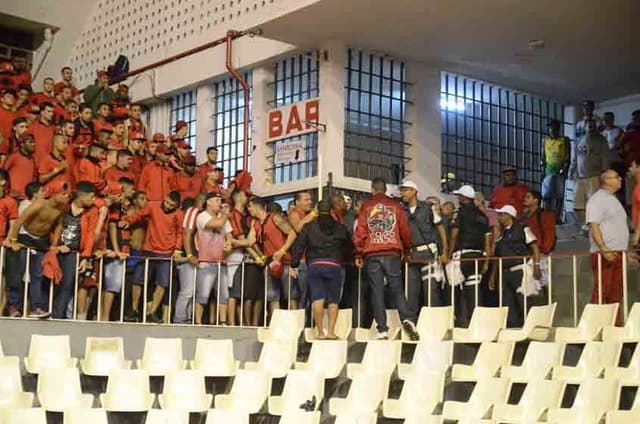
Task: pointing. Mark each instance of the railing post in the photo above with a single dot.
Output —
(75, 290)
(429, 278)
(500, 282)
(549, 280)
(359, 297)
(123, 290)
(625, 288)
(406, 280)
(195, 289)
(218, 294)
(289, 289)
(27, 281)
(599, 278)
(525, 292)
(266, 288)
(144, 290)
(475, 263)
(575, 290)
(242, 294)
(170, 290)
(99, 297)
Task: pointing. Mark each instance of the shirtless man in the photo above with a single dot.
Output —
(135, 265)
(31, 230)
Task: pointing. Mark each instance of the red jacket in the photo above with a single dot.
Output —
(22, 171)
(543, 225)
(509, 195)
(156, 181)
(48, 164)
(381, 229)
(189, 187)
(92, 172)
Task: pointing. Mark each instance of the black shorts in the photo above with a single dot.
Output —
(253, 283)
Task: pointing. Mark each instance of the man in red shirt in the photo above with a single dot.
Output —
(23, 101)
(135, 125)
(117, 140)
(103, 115)
(54, 167)
(157, 179)
(47, 94)
(210, 164)
(89, 168)
(43, 131)
(187, 182)
(135, 145)
(121, 169)
(541, 222)
(60, 104)
(163, 241)
(21, 73)
(8, 209)
(84, 134)
(21, 166)
(213, 182)
(630, 144)
(7, 115)
(67, 81)
(20, 126)
(381, 238)
(510, 192)
(182, 130)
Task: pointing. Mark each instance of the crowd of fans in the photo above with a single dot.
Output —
(89, 197)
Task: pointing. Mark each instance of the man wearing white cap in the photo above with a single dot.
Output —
(515, 243)
(470, 239)
(429, 242)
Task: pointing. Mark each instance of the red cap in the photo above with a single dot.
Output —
(56, 187)
(180, 124)
(158, 138)
(162, 149)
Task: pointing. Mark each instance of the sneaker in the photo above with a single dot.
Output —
(39, 313)
(14, 312)
(154, 318)
(132, 316)
(410, 328)
(382, 335)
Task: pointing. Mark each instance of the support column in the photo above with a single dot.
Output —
(205, 124)
(424, 134)
(259, 158)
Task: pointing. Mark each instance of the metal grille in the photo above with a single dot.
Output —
(296, 79)
(229, 124)
(184, 107)
(487, 127)
(375, 109)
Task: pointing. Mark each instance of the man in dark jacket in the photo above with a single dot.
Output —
(381, 238)
(323, 241)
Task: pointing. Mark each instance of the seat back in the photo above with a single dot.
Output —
(162, 354)
(540, 316)
(49, 351)
(423, 389)
(487, 321)
(128, 389)
(287, 324)
(83, 416)
(10, 379)
(493, 355)
(542, 394)
(432, 356)
(328, 357)
(215, 354)
(597, 395)
(488, 391)
(168, 416)
(59, 388)
(434, 322)
(595, 316)
(301, 386)
(633, 320)
(301, 417)
(599, 354)
(219, 416)
(541, 356)
(25, 415)
(278, 355)
(357, 418)
(250, 389)
(185, 390)
(382, 356)
(107, 353)
(367, 391)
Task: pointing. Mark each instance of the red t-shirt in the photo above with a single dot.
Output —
(113, 174)
(43, 136)
(271, 238)
(164, 230)
(61, 84)
(189, 187)
(509, 195)
(8, 212)
(6, 124)
(48, 164)
(635, 206)
(92, 172)
(22, 171)
(204, 169)
(41, 97)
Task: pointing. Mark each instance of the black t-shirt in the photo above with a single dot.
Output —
(473, 225)
(70, 236)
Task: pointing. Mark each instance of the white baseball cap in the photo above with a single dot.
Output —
(509, 210)
(346, 198)
(466, 191)
(409, 184)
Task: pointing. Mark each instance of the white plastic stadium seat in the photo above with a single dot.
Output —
(161, 356)
(631, 416)
(84, 416)
(342, 330)
(487, 363)
(380, 356)
(365, 394)
(301, 417)
(299, 387)
(594, 358)
(631, 330)
(423, 419)
(166, 416)
(595, 397)
(24, 416)
(486, 392)
(429, 356)
(485, 324)
(284, 325)
(327, 358)
(421, 393)
(219, 416)
(356, 418)
(394, 325)
(538, 396)
(594, 318)
(276, 357)
(537, 326)
(540, 358)
(102, 355)
(59, 389)
(249, 392)
(628, 376)
(11, 392)
(215, 358)
(127, 391)
(49, 352)
(433, 323)
(185, 391)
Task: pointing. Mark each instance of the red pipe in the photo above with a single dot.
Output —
(231, 35)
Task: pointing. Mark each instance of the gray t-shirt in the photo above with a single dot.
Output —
(605, 209)
(589, 156)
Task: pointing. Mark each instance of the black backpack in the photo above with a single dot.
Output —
(119, 69)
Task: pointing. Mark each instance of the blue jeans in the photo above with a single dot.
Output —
(207, 283)
(15, 265)
(64, 291)
(184, 301)
(390, 267)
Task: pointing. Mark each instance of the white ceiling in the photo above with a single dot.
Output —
(592, 47)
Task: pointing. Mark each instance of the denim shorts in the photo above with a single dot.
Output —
(112, 275)
(207, 284)
(325, 282)
(277, 287)
(159, 269)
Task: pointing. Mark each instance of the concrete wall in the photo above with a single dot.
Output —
(621, 107)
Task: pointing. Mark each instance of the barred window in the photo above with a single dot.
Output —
(296, 79)
(229, 124)
(375, 117)
(486, 127)
(184, 107)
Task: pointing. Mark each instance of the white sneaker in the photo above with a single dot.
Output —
(410, 328)
(382, 335)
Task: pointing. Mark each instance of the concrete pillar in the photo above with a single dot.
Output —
(205, 124)
(259, 159)
(424, 154)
